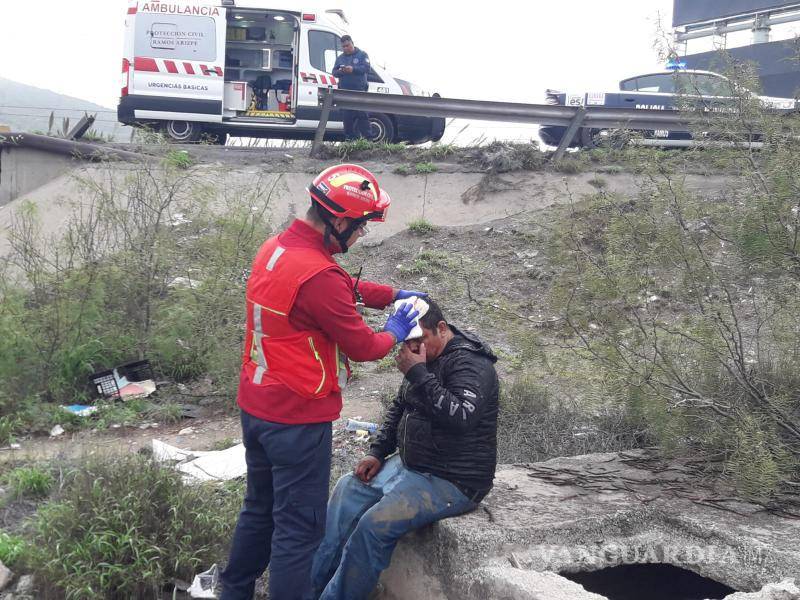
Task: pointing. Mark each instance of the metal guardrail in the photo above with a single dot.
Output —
(596, 117)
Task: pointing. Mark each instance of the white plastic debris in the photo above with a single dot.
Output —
(205, 583)
(186, 431)
(179, 219)
(198, 465)
(184, 282)
(56, 431)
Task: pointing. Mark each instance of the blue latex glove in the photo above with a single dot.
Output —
(404, 294)
(401, 322)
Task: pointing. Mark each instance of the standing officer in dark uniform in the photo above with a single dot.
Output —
(352, 68)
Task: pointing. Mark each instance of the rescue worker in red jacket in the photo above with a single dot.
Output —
(302, 326)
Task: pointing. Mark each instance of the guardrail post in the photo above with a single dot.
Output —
(81, 128)
(319, 136)
(566, 140)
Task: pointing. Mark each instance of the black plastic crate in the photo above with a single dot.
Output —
(139, 370)
(105, 384)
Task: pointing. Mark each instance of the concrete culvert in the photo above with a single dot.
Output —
(654, 581)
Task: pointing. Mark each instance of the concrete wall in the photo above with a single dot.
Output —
(25, 169)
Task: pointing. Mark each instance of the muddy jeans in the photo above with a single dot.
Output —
(366, 520)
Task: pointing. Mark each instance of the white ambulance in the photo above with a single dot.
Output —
(242, 67)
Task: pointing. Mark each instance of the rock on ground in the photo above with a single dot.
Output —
(785, 590)
(509, 583)
(5, 576)
(585, 513)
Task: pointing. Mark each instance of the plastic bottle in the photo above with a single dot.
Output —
(353, 425)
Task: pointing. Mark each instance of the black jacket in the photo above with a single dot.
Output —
(357, 80)
(444, 419)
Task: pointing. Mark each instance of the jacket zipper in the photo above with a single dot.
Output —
(319, 360)
(405, 434)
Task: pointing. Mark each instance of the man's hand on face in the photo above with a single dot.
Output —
(367, 468)
(407, 358)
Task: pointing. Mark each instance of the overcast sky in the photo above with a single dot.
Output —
(503, 50)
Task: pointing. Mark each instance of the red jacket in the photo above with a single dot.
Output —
(323, 304)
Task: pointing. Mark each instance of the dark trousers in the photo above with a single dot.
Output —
(356, 124)
(283, 517)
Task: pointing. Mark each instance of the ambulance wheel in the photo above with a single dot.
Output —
(183, 131)
(381, 128)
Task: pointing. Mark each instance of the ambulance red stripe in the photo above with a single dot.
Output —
(141, 63)
(145, 64)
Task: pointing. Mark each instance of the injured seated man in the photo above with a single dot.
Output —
(443, 423)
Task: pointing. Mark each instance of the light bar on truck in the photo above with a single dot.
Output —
(676, 65)
(338, 12)
(311, 17)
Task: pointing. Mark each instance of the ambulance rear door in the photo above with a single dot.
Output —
(179, 61)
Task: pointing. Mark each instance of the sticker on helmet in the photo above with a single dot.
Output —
(323, 188)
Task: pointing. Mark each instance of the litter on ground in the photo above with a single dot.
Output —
(80, 410)
(199, 465)
(205, 583)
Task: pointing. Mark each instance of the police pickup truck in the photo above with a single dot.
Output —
(665, 90)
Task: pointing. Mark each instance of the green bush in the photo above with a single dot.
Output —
(423, 168)
(114, 288)
(504, 157)
(29, 482)
(12, 548)
(8, 425)
(597, 182)
(364, 148)
(533, 425)
(178, 159)
(402, 170)
(687, 303)
(427, 262)
(569, 166)
(421, 226)
(125, 527)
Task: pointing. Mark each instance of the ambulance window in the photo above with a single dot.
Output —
(184, 37)
(323, 49)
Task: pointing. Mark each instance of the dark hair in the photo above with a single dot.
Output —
(312, 214)
(433, 316)
(346, 38)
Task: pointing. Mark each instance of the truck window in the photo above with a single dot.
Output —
(662, 83)
(704, 84)
(182, 37)
(322, 45)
